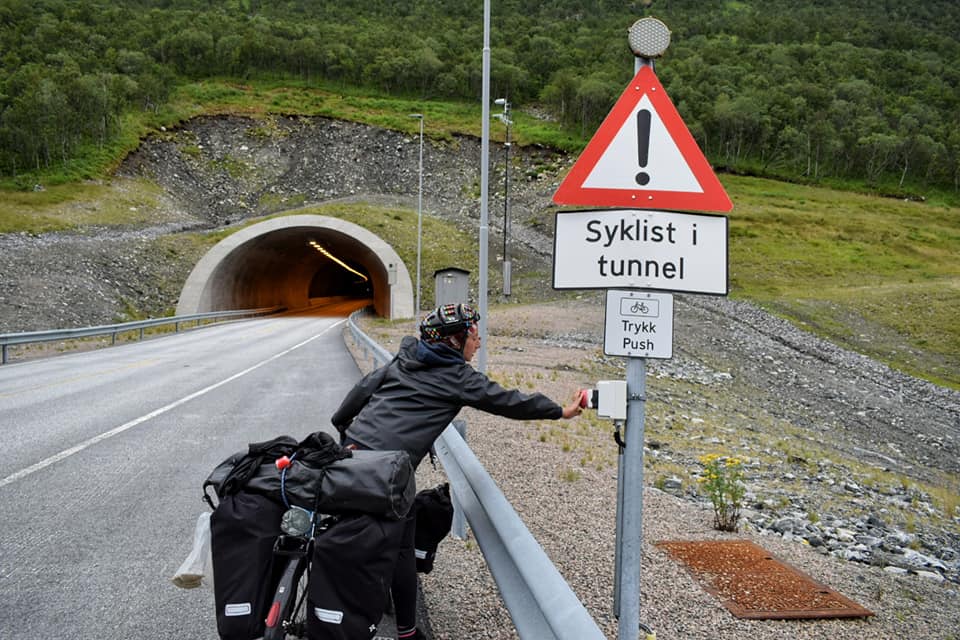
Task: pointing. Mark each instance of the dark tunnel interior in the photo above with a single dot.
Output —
(291, 267)
(332, 279)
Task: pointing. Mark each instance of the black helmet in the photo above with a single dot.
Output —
(448, 320)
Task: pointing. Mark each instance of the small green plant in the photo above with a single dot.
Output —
(947, 497)
(910, 523)
(723, 482)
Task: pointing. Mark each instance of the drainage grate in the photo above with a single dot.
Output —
(751, 583)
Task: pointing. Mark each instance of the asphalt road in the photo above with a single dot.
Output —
(103, 458)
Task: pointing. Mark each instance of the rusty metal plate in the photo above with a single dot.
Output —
(751, 583)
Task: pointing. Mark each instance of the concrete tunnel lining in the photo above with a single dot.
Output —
(270, 263)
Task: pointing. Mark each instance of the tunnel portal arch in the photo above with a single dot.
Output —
(276, 263)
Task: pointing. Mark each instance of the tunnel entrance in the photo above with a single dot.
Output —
(295, 261)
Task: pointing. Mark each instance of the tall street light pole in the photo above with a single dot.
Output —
(416, 309)
(484, 182)
(505, 118)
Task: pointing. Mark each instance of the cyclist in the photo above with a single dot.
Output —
(406, 404)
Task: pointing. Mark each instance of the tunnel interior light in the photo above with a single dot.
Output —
(316, 245)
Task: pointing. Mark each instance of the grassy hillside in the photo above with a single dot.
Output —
(878, 275)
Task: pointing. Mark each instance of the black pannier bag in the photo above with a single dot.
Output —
(379, 483)
(324, 477)
(243, 529)
(374, 490)
(353, 563)
(434, 513)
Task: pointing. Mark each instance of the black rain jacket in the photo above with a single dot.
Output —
(406, 404)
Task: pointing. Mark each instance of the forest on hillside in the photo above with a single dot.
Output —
(866, 91)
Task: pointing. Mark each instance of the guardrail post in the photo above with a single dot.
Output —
(459, 527)
(4, 357)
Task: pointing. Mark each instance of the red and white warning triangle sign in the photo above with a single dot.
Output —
(643, 157)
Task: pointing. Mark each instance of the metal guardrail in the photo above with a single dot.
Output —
(541, 603)
(30, 337)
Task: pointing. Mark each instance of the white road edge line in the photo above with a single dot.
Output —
(66, 453)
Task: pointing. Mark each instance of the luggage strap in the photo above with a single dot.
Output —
(283, 481)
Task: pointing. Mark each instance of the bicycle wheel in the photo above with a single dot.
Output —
(287, 616)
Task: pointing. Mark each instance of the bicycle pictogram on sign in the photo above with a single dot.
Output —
(640, 308)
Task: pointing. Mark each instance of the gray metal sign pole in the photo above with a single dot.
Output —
(630, 510)
(629, 543)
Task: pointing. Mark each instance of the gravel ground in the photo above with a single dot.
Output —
(561, 476)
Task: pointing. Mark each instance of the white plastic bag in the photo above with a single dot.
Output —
(197, 569)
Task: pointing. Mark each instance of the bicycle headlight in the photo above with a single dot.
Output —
(296, 521)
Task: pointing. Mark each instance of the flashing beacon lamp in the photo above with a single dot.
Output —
(649, 39)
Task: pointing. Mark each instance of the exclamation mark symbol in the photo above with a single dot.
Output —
(643, 144)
